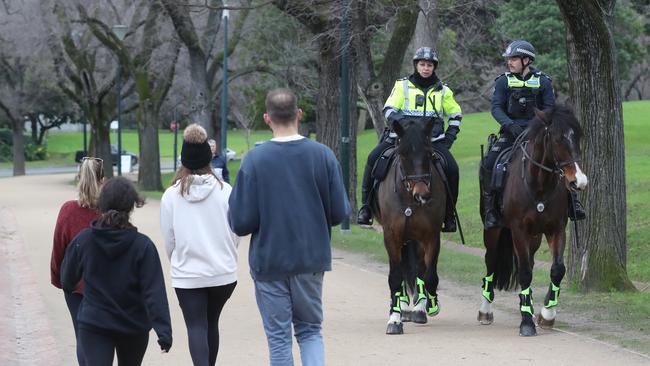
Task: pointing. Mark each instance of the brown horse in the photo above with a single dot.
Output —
(544, 165)
(411, 208)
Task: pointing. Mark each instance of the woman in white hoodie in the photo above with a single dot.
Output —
(202, 249)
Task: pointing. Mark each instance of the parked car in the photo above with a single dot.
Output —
(134, 157)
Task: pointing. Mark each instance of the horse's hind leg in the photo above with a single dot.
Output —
(556, 242)
(409, 268)
(491, 240)
(427, 301)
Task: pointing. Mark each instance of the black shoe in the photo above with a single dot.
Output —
(491, 219)
(576, 211)
(450, 224)
(364, 217)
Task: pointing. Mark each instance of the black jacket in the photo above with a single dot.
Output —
(544, 99)
(124, 287)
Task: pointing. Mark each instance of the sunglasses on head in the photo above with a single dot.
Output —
(92, 158)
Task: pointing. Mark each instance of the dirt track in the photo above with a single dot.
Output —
(35, 328)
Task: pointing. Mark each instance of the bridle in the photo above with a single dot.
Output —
(555, 169)
(410, 180)
(557, 165)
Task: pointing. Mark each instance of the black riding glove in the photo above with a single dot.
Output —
(164, 346)
(514, 129)
(450, 136)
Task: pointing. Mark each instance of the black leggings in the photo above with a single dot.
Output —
(73, 301)
(201, 310)
(99, 347)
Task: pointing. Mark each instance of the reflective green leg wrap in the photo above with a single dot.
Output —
(422, 292)
(488, 287)
(395, 306)
(404, 297)
(526, 301)
(432, 304)
(552, 296)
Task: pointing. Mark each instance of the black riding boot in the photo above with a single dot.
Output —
(576, 211)
(450, 219)
(491, 219)
(364, 217)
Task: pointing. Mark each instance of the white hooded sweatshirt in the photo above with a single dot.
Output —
(202, 249)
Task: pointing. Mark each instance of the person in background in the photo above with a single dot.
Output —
(202, 249)
(124, 290)
(288, 195)
(74, 216)
(219, 163)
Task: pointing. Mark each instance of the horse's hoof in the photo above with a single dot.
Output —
(395, 328)
(419, 317)
(527, 329)
(406, 316)
(545, 323)
(485, 318)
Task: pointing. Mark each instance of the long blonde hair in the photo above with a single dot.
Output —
(91, 174)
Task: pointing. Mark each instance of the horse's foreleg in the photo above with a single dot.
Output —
(522, 251)
(395, 325)
(556, 241)
(429, 295)
(491, 241)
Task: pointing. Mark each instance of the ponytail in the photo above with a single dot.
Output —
(90, 177)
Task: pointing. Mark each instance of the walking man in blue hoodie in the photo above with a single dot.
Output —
(288, 194)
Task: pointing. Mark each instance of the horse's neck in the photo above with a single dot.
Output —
(539, 179)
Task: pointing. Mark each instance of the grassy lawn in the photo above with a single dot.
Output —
(624, 312)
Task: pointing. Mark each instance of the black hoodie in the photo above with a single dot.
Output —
(124, 287)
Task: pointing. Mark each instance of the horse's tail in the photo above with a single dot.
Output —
(410, 264)
(505, 275)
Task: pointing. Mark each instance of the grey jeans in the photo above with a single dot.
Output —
(296, 300)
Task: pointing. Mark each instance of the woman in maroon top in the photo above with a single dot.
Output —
(74, 216)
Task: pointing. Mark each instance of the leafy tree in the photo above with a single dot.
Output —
(540, 22)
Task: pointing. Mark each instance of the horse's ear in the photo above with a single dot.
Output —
(429, 126)
(397, 127)
(542, 116)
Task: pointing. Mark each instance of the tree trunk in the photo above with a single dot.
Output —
(600, 261)
(426, 30)
(328, 129)
(18, 148)
(149, 163)
(100, 138)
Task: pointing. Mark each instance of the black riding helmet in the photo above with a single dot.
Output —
(520, 48)
(427, 54)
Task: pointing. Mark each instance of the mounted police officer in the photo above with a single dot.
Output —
(517, 93)
(421, 94)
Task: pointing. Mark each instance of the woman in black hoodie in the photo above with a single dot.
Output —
(124, 294)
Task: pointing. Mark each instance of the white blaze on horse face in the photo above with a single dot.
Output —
(581, 178)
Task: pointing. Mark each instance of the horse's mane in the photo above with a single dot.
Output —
(560, 117)
(414, 138)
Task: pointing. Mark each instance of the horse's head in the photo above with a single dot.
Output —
(414, 150)
(558, 129)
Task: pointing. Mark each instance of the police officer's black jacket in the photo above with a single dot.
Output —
(543, 97)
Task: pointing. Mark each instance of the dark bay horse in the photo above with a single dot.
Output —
(411, 209)
(544, 165)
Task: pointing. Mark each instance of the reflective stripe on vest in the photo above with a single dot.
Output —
(435, 111)
(534, 82)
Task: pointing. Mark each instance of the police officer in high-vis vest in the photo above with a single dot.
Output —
(516, 95)
(421, 94)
